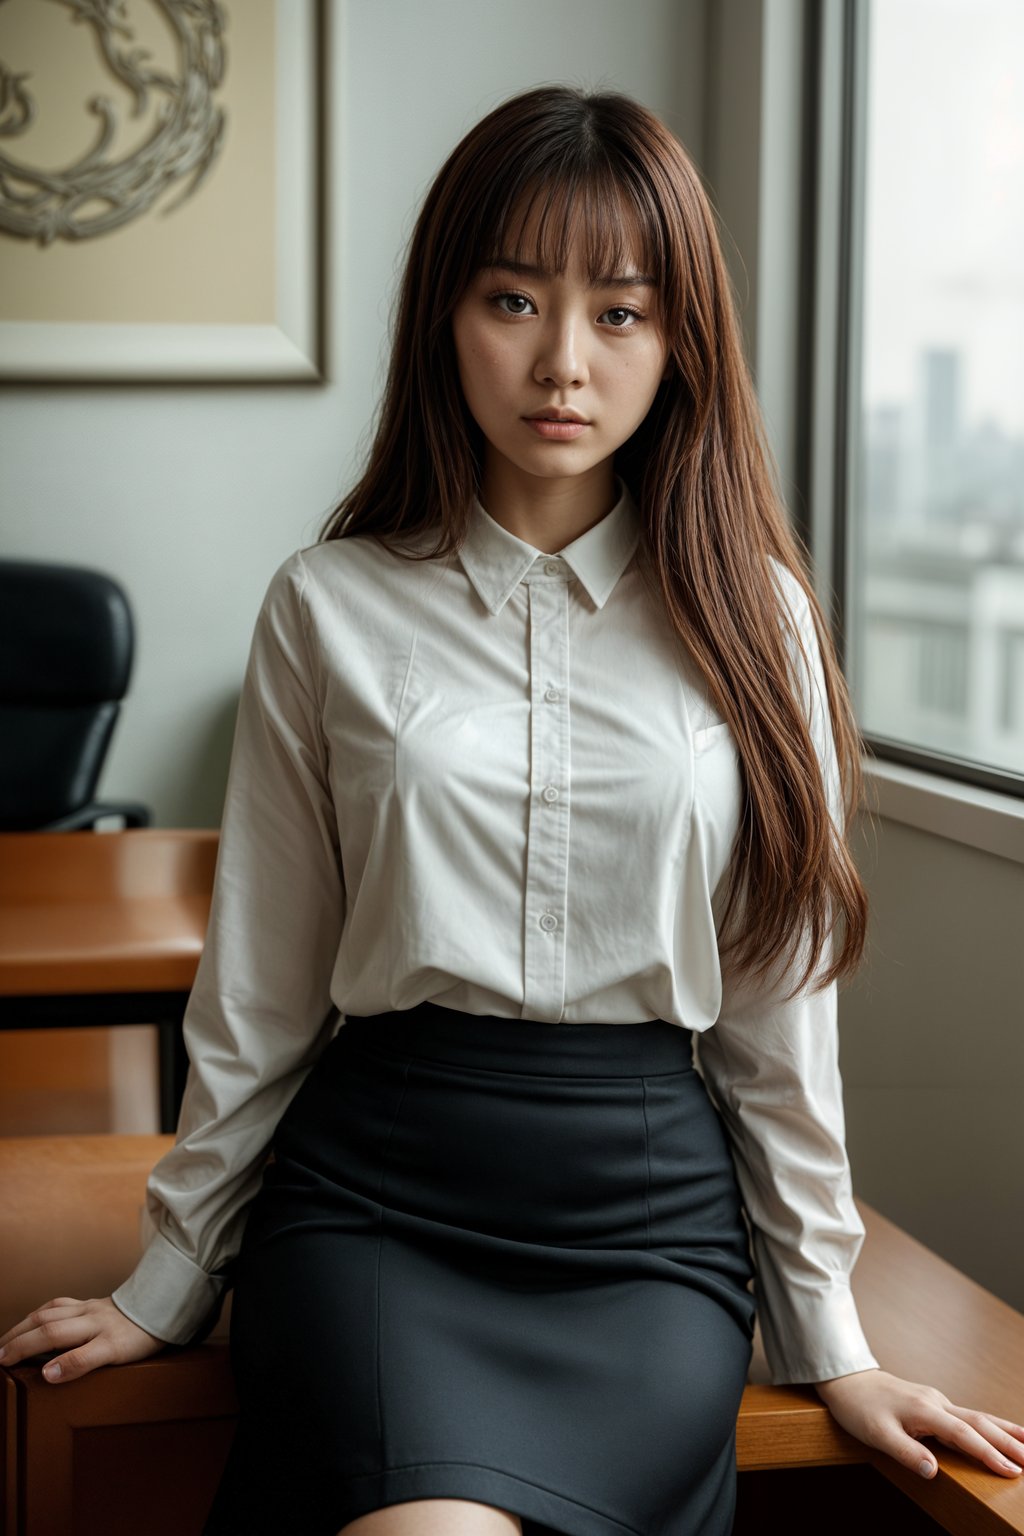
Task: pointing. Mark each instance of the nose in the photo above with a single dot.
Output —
(560, 356)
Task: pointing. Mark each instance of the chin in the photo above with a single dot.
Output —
(551, 466)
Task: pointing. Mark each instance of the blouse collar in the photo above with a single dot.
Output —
(496, 560)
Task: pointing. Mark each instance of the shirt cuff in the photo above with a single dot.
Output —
(813, 1335)
(169, 1296)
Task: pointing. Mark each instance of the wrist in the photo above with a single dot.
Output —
(835, 1384)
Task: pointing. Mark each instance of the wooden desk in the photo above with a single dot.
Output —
(104, 1443)
(929, 1323)
(106, 928)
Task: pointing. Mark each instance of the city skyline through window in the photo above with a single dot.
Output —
(936, 552)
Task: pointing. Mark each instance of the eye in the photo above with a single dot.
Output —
(620, 317)
(517, 303)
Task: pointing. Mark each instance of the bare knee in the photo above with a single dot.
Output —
(436, 1517)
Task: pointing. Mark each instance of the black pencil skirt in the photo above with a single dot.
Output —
(499, 1260)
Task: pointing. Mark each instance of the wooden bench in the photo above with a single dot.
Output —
(139, 1448)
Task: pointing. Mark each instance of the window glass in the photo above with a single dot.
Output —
(936, 552)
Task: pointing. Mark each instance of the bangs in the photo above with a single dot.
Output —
(593, 211)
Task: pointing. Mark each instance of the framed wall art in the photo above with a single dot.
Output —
(160, 176)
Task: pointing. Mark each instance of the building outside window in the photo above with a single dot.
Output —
(935, 526)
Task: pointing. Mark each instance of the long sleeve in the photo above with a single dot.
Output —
(772, 1067)
(260, 1010)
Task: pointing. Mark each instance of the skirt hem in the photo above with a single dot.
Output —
(483, 1484)
(367, 1492)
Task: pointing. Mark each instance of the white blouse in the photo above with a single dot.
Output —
(494, 781)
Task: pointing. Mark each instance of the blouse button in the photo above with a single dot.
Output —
(552, 567)
(552, 695)
(550, 793)
(549, 922)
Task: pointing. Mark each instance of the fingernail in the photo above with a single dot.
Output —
(1011, 1466)
(51, 1371)
(3, 1352)
(927, 1468)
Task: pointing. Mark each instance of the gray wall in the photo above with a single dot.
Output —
(933, 1049)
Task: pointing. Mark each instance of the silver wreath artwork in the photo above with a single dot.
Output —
(188, 137)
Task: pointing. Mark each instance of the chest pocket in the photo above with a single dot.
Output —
(708, 727)
(718, 789)
(709, 736)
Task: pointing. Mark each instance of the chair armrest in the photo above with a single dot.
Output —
(133, 813)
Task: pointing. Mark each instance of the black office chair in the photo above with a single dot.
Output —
(66, 645)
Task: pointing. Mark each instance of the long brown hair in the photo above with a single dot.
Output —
(601, 169)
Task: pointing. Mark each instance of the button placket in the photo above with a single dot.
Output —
(547, 847)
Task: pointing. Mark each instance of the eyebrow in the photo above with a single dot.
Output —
(613, 280)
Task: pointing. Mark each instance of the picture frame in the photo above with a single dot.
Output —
(257, 252)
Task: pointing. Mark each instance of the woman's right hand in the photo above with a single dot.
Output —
(78, 1336)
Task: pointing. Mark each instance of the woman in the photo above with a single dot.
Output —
(542, 772)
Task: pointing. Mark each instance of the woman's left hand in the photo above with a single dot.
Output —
(890, 1414)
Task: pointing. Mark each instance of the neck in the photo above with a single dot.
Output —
(547, 513)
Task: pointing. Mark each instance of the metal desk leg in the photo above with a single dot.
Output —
(173, 1072)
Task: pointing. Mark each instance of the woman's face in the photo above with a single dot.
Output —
(532, 343)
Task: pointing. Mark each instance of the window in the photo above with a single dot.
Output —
(933, 544)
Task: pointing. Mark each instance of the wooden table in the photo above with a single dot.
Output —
(106, 928)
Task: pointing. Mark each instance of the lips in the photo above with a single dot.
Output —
(556, 431)
(556, 413)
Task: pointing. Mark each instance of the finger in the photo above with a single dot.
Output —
(59, 1301)
(17, 1327)
(995, 1430)
(54, 1334)
(1016, 1430)
(910, 1453)
(964, 1437)
(48, 1314)
(79, 1362)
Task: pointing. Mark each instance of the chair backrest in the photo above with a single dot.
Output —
(66, 646)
